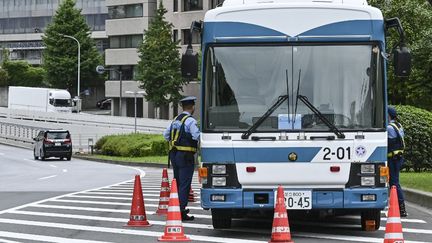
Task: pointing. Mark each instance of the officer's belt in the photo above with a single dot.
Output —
(182, 148)
(394, 153)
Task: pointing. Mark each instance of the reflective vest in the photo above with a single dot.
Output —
(396, 146)
(180, 139)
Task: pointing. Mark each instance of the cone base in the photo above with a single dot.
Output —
(286, 241)
(174, 238)
(161, 212)
(138, 224)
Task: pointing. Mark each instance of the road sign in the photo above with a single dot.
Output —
(100, 69)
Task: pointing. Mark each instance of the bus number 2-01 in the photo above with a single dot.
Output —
(340, 153)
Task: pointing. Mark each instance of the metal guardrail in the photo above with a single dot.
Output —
(19, 127)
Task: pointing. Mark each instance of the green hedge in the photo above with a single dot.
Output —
(417, 124)
(132, 145)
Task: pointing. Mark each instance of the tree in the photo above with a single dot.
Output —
(60, 55)
(4, 76)
(416, 19)
(20, 73)
(159, 65)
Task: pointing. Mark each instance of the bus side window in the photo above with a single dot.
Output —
(51, 101)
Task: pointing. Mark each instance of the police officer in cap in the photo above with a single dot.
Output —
(396, 146)
(183, 136)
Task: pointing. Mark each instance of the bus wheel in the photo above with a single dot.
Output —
(370, 220)
(221, 218)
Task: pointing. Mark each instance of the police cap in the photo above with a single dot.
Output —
(189, 100)
(392, 112)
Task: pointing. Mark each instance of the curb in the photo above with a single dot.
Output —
(420, 198)
(143, 164)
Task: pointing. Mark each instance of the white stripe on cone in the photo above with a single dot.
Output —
(393, 220)
(174, 209)
(393, 236)
(280, 215)
(173, 195)
(280, 230)
(173, 222)
(164, 199)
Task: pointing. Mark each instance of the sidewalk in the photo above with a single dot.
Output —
(420, 198)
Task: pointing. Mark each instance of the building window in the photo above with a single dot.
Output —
(196, 38)
(175, 6)
(125, 11)
(125, 41)
(192, 5)
(128, 72)
(175, 35)
(215, 3)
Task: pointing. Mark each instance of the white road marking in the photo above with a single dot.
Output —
(115, 203)
(107, 219)
(47, 177)
(53, 166)
(122, 231)
(8, 241)
(64, 170)
(405, 220)
(92, 209)
(348, 238)
(129, 192)
(119, 194)
(44, 238)
(2, 154)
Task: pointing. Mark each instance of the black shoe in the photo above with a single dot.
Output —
(402, 210)
(186, 211)
(186, 217)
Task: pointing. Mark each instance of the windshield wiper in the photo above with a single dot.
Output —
(253, 128)
(332, 127)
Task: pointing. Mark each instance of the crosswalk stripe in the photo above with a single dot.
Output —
(121, 194)
(115, 203)
(130, 191)
(108, 219)
(45, 238)
(384, 218)
(116, 198)
(104, 210)
(7, 241)
(349, 238)
(122, 231)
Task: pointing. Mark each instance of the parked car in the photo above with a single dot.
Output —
(104, 104)
(53, 143)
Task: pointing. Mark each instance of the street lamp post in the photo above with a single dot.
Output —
(101, 69)
(79, 60)
(135, 104)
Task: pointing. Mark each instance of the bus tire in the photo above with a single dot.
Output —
(373, 214)
(221, 218)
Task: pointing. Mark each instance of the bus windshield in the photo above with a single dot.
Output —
(344, 83)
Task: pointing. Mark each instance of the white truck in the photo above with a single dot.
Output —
(39, 99)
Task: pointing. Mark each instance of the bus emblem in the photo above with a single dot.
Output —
(292, 156)
(360, 151)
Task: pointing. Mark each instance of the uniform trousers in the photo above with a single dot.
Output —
(395, 165)
(183, 167)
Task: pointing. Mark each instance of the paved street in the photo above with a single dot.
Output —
(90, 202)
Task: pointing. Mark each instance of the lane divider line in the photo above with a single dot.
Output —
(47, 177)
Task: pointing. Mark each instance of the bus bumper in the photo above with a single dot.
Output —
(321, 199)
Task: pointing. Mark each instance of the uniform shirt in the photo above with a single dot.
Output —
(392, 133)
(190, 127)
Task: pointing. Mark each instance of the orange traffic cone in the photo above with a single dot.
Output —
(280, 230)
(173, 227)
(191, 195)
(138, 216)
(164, 194)
(393, 232)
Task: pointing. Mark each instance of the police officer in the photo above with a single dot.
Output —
(396, 146)
(183, 135)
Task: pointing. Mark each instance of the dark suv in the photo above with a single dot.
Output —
(53, 143)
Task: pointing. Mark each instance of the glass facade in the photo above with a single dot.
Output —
(129, 72)
(192, 5)
(33, 16)
(125, 41)
(196, 38)
(125, 11)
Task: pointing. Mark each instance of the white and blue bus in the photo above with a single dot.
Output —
(294, 94)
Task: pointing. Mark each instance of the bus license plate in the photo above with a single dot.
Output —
(298, 199)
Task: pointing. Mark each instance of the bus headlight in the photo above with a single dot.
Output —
(219, 169)
(219, 181)
(367, 169)
(367, 181)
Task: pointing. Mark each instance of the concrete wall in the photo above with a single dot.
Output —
(4, 96)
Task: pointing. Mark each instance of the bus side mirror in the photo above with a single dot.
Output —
(189, 64)
(402, 61)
